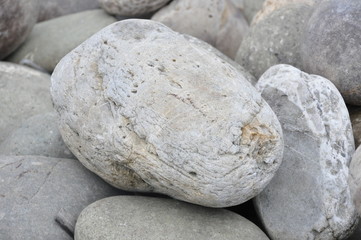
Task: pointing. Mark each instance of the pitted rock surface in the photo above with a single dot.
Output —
(131, 8)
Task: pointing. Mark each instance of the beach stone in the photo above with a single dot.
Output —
(355, 178)
(17, 18)
(39, 136)
(217, 22)
(331, 46)
(56, 8)
(51, 40)
(186, 124)
(131, 8)
(249, 7)
(24, 93)
(275, 40)
(42, 197)
(154, 218)
(309, 198)
(355, 116)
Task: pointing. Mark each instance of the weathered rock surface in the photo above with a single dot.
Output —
(50, 41)
(40, 196)
(331, 46)
(155, 218)
(274, 40)
(24, 92)
(186, 124)
(17, 18)
(217, 22)
(355, 116)
(309, 198)
(39, 136)
(131, 8)
(355, 178)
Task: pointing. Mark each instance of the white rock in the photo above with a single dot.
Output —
(131, 8)
(147, 109)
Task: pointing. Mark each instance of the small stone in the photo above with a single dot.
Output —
(154, 218)
(355, 116)
(355, 178)
(249, 7)
(309, 198)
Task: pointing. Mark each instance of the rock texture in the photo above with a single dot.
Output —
(355, 178)
(217, 22)
(39, 136)
(50, 41)
(131, 8)
(154, 218)
(24, 92)
(186, 123)
(41, 197)
(331, 46)
(274, 40)
(309, 198)
(355, 116)
(17, 18)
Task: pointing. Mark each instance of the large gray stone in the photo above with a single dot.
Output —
(217, 22)
(41, 197)
(331, 46)
(39, 136)
(155, 218)
(309, 198)
(148, 109)
(24, 92)
(52, 40)
(274, 40)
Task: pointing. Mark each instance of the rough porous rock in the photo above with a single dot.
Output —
(131, 8)
(309, 198)
(149, 110)
(17, 18)
(274, 40)
(51, 40)
(355, 116)
(41, 198)
(331, 46)
(24, 92)
(49, 9)
(217, 22)
(39, 136)
(154, 218)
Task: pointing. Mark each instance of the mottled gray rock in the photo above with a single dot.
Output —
(17, 18)
(131, 8)
(155, 218)
(217, 22)
(41, 197)
(274, 40)
(355, 178)
(355, 116)
(52, 40)
(39, 136)
(331, 46)
(24, 92)
(309, 198)
(186, 123)
(55, 8)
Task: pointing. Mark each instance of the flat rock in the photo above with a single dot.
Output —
(274, 40)
(331, 46)
(39, 136)
(217, 22)
(24, 92)
(355, 116)
(309, 198)
(17, 18)
(52, 40)
(41, 197)
(186, 123)
(155, 218)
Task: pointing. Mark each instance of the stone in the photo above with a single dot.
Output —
(331, 46)
(309, 198)
(41, 197)
(24, 93)
(275, 40)
(131, 8)
(56, 8)
(154, 218)
(251, 7)
(17, 18)
(149, 110)
(355, 178)
(355, 116)
(217, 22)
(51, 40)
(39, 136)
